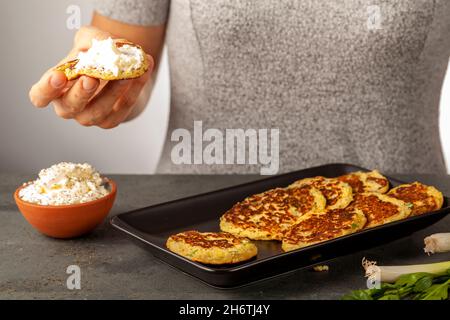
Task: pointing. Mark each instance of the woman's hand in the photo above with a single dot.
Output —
(91, 102)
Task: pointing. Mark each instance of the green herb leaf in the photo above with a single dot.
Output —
(358, 295)
(441, 279)
(423, 284)
(390, 297)
(436, 292)
(192, 253)
(410, 279)
(385, 287)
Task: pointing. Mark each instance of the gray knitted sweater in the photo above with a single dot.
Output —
(354, 81)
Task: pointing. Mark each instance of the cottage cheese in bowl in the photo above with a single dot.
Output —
(65, 183)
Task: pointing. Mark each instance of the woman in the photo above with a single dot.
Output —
(343, 81)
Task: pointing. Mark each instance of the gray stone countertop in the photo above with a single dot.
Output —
(33, 266)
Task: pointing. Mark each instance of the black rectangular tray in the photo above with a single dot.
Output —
(151, 226)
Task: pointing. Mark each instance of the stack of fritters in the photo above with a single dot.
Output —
(352, 202)
(308, 211)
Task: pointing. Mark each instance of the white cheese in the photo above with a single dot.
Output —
(105, 56)
(65, 183)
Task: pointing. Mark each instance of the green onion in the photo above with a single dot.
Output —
(438, 242)
(392, 273)
(410, 286)
(413, 282)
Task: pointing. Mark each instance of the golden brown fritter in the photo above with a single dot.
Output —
(420, 197)
(71, 73)
(266, 216)
(380, 208)
(322, 227)
(211, 247)
(371, 181)
(337, 193)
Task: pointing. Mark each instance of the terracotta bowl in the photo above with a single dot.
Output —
(67, 221)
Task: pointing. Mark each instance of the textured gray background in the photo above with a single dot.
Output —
(36, 36)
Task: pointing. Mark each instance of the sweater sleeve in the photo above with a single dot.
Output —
(137, 12)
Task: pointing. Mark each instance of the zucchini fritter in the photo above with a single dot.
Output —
(422, 198)
(371, 181)
(380, 208)
(266, 216)
(69, 68)
(337, 193)
(211, 247)
(324, 226)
